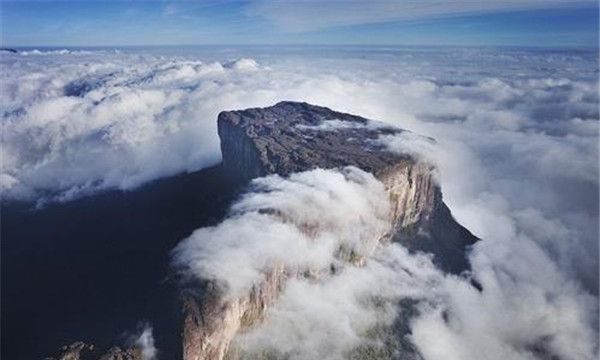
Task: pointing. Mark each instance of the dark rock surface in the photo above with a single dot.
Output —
(291, 137)
(82, 351)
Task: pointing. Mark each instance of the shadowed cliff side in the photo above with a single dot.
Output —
(92, 269)
(292, 137)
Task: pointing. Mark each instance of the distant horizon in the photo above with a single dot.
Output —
(133, 46)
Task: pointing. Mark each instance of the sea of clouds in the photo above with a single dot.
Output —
(517, 150)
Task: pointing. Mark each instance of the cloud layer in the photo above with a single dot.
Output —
(517, 150)
(302, 222)
(527, 309)
(76, 123)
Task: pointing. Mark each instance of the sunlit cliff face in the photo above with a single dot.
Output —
(516, 151)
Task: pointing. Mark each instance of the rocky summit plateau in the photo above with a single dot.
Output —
(292, 137)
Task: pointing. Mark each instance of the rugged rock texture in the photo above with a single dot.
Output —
(210, 324)
(82, 351)
(291, 137)
(76, 351)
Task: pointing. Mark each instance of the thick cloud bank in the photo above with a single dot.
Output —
(517, 149)
(531, 311)
(302, 222)
(74, 123)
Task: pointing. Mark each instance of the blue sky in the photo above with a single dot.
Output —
(427, 22)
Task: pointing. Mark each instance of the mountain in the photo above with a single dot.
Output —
(292, 137)
(284, 139)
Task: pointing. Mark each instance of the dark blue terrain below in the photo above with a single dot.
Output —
(94, 268)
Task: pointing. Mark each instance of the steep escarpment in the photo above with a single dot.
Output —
(293, 137)
(210, 323)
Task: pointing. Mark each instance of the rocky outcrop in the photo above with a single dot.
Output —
(292, 137)
(210, 324)
(83, 351)
(76, 351)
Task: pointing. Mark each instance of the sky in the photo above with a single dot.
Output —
(551, 23)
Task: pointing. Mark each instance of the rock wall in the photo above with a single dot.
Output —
(413, 192)
(210, 323)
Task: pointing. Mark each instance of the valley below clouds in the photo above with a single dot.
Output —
(516, 151)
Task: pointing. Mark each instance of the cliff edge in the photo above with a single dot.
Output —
(292, 137)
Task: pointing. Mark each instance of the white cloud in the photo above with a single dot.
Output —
(331, 318)
(527, 307)
(171, 9)
(516, 146)
(309, 217)
(309, 15)
(73, 127)
(144, 340)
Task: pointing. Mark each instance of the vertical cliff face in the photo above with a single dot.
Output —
(421, 220)
(292, 137)
(211, 322)
(412, 190)
(242, 154)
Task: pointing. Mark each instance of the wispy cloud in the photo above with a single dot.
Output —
(171, 9)
(310, 15)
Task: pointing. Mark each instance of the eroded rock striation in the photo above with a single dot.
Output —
(292, 137)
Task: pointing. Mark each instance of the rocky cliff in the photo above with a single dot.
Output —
(292, 137)
(82, 351)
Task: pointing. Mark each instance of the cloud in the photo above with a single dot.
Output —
(310, 15)
(516, 146)
(527, 307)
(171, 9)
(144, 340)
(74, 128)
(302, 221)
(333, 317)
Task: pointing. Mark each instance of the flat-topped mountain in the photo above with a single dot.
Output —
(288, 138)
(291, 137)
